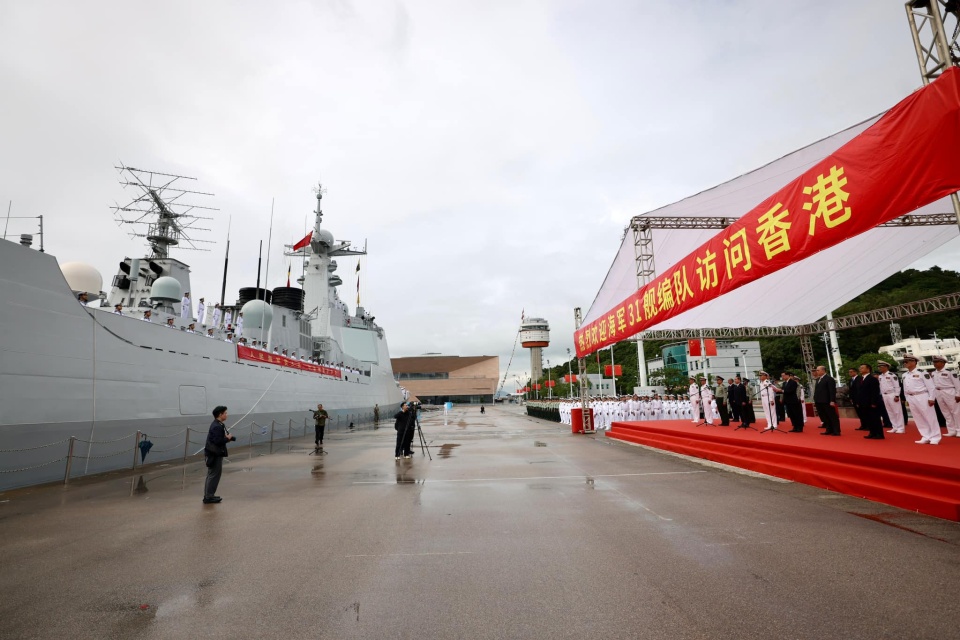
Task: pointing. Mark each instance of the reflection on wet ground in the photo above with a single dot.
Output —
(446, 450)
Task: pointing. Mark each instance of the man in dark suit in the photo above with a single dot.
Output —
(870, 401)
(825, 401)
(733, 398)
(853, 390)
(791, 401)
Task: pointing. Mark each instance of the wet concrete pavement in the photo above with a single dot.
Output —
(515, 529)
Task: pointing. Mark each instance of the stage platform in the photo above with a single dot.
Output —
(893, 471)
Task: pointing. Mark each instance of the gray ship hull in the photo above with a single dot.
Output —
(69, 370)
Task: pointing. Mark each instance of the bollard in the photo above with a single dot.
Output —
(250, 447)
(186, 445)
(136, 444)
(66, 473)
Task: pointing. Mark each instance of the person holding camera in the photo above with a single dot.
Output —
(215, 451)
(320, 424)
(401, 422)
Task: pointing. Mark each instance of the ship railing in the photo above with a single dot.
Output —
(191, 441)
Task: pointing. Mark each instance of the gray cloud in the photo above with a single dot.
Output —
(491, 152)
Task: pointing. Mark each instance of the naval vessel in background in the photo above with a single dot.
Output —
(84, 371)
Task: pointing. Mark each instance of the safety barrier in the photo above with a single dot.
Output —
(338, 422)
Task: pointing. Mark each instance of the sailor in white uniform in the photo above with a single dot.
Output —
(118, 309)
(147, 316)
(768, 400)
(694, 392)
(706, 399)
(210, 333)
(170, 324)
(948, 395)
(890, 390)
(186, 307)
(921, 394)
(192, 327)
(200, 311)
(239, 322)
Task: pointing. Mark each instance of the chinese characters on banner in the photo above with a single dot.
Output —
(907, 159)
(247, 353)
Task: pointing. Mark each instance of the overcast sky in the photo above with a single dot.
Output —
(490, 152)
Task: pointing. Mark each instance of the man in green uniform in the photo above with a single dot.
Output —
(320, 418)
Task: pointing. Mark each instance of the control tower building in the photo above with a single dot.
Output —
(535, 335)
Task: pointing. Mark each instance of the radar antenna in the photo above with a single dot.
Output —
(169, 222)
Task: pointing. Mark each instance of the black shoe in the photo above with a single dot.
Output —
(861, 429)
(873, 437)
(213, 500)
(826, 433)
(795, 431)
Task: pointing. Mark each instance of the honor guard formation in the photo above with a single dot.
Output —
(880, 399)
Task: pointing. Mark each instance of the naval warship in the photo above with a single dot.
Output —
(86, 377)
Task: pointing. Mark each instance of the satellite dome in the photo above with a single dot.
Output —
(258, 315)
(166, 288)
(324, 237)
(82, 277)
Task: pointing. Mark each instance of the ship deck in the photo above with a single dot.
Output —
(516, 529)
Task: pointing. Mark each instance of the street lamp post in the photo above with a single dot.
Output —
(549, 388)
(570, 373)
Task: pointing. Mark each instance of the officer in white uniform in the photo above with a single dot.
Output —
(706, 399)
(948, 395)
(694, 393)
(239, 322)
(768, 401)
(186, 306)
(921, 394)
(890, 390)
(200, 311)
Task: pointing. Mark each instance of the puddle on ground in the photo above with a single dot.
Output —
(446, 450)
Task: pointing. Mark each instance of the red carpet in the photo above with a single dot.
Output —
(893, 471)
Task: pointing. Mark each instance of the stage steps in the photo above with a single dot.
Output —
(865, 469)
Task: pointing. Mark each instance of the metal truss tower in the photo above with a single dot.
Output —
(935, 26)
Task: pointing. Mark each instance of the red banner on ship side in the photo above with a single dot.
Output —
(248, 353)
(907, 159)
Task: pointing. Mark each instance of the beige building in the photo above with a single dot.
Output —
(435, 379)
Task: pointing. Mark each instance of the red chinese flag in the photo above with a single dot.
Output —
(537, 387)
(908, 158)
(551, 383)
(711, 346)
(303, 243)
(615, 370)
(694, 347)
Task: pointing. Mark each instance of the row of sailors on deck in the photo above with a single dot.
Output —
(608, 409)
(229, 334)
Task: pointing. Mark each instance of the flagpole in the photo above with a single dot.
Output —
(226, 261)
(266, 274)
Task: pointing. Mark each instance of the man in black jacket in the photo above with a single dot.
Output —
(411, 431)
(734, 393)
(825, 401)
(870, 401)
(791, 401)
(215, 451)
(853, 390)
(401, 420)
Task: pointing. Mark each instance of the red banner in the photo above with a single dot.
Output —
(693, 346)
(550, 383)
(249, 353)
(907, 159)
(615, 370)
(569, 378)
(537, 387)
(710, 345)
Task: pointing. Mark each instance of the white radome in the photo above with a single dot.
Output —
(258, 315)
(324, 237)
(166, 288)
(81, 277)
